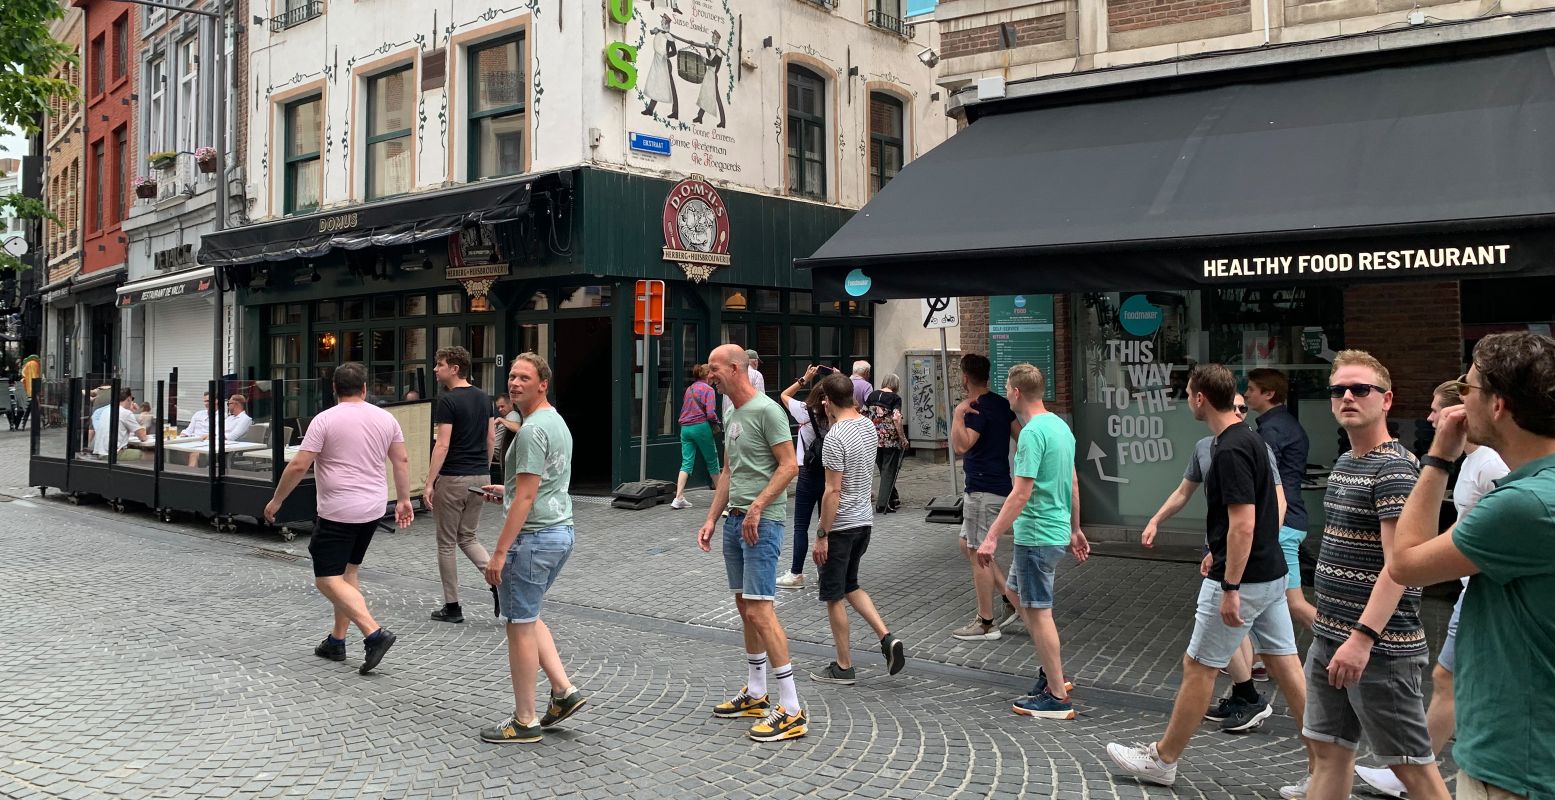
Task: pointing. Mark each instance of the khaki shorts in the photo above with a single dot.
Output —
(978, 511)
(1471, 788)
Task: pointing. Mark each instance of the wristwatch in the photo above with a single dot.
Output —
(1436, 461)
(1230, 587)
(820, 534)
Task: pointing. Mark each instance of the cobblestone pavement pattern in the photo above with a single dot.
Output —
(152, 660)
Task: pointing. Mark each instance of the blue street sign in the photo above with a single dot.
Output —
(657, 145)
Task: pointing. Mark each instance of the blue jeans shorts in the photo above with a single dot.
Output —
(532, 565)
(1032, 572)
(1265, 616)
(752, 568)
(1290, 544)
(1448, 658)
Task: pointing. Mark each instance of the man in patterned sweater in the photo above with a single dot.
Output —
(1369, 653)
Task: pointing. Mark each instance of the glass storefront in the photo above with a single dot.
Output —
(1133, 351)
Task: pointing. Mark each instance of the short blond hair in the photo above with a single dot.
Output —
(1361, 358)
(1028, 379)
(1449, 394)
(542, 368)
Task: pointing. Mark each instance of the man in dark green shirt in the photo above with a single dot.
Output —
(1506, 739)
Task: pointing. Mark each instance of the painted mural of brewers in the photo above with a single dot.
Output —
(678, 57)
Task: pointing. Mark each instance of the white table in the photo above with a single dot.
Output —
(151, 444)
(203, 448)
(266, 454)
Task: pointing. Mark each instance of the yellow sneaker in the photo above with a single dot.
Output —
(743, 705)
(778, 725)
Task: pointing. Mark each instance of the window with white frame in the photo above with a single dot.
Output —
(496, 117)
(156, 89)
(187, 105)
(391, 106)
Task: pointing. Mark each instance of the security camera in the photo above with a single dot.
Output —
(929, 58)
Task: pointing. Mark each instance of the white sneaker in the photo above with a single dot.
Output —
(793, 580)
(1382, 779)
(680, 502)
(1296, 792)
(1143, 762)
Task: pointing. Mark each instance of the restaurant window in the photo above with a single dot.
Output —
(304, 167)
(98, 67)
(390, 108)
(98, 187)
(121, 46)
(885, 139)
(1130, 384)
(496, 118)
(806, 133)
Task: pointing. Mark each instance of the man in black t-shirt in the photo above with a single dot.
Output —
(1244, 591)
(981, 429)
(460, 461)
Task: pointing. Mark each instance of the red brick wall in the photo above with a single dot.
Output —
(985, 39)
(974, 339)
(1415, 330)
(1130, 15)
(103, 114)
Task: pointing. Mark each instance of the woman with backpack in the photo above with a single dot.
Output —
(811, 416)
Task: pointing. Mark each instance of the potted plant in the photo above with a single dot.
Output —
(145, 187)
(163, 160)
(205, 158)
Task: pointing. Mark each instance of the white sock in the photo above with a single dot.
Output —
(788, 694)
(756, 674)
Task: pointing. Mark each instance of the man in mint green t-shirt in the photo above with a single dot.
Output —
(1504, 681)
(1044, 512)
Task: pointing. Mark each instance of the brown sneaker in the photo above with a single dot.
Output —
(977, 631)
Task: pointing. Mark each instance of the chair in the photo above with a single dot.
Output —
(258, 432)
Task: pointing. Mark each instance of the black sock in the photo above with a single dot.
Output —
(979, 619)
(374, 636)
(452, 606)
(1246, 691)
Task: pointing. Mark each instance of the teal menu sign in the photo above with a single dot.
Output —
(1020, 330)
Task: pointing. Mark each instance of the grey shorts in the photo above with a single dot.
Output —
(1265, 617)
(978, 511)
(1387, 705)
(1448, 658)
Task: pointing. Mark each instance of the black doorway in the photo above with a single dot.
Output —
(582, 391)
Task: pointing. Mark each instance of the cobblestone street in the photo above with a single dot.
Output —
(154, 660)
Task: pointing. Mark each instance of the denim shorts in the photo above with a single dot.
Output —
(1387, 705)
(1032, 572)
(1290, 544)
(752, 568)
(978, 511)
(1448, 658)
(532, 565)
(1265, 617)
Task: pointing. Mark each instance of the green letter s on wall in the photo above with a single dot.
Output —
(620, 66)
(620, 10)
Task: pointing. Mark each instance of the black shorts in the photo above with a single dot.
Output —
(333, 545)
(844, 551)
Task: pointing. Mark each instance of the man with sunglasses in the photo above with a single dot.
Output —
(1506, 744)
(1267, 391)
(1243, 709)
(1368, 653)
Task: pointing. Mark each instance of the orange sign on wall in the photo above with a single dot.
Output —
(648, 301)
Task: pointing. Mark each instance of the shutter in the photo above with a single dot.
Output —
(178, 334)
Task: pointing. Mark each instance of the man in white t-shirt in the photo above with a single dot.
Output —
(200, 421)
(1477, 474)
(125, 417)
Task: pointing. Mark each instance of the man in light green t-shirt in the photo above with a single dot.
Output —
(531, 550)
(758, 466)
(1044, 512)
(1504, 681)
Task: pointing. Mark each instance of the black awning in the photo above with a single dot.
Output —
(1441, 168)
(401, 221)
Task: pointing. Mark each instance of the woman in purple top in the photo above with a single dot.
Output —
(698, 416)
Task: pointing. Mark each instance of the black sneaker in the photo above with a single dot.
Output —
(1041, 685)
(1246, 716)
(376, 647)
(450, 612)
(1222, 709)
(895, 654)
(563, 707)
(835, 674)
(334, 651)
(510, 732)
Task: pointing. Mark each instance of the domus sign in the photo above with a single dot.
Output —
(696, 228)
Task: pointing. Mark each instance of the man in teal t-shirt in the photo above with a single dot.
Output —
(1044, 513)
(1504, 684)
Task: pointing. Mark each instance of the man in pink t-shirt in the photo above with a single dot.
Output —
(346, 446)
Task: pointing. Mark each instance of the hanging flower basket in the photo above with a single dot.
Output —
(163, 160)
(145, 187)
(205, 158)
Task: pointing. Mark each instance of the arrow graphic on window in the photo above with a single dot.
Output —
(1097, 455)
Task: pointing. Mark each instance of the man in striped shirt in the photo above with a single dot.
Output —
(1368, 652)
(847, 517)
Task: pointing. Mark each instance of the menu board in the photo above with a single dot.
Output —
(1020, 331)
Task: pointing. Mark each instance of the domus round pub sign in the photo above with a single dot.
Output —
(696, 228)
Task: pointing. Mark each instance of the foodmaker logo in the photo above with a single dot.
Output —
(696, 228)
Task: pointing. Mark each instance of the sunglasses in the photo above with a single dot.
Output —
(1240, 409)
(1463, 386)
(1359, 390)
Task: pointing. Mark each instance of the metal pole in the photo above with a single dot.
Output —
(944, 365)
(642, 442)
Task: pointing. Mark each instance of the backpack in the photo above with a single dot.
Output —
(812, 467)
